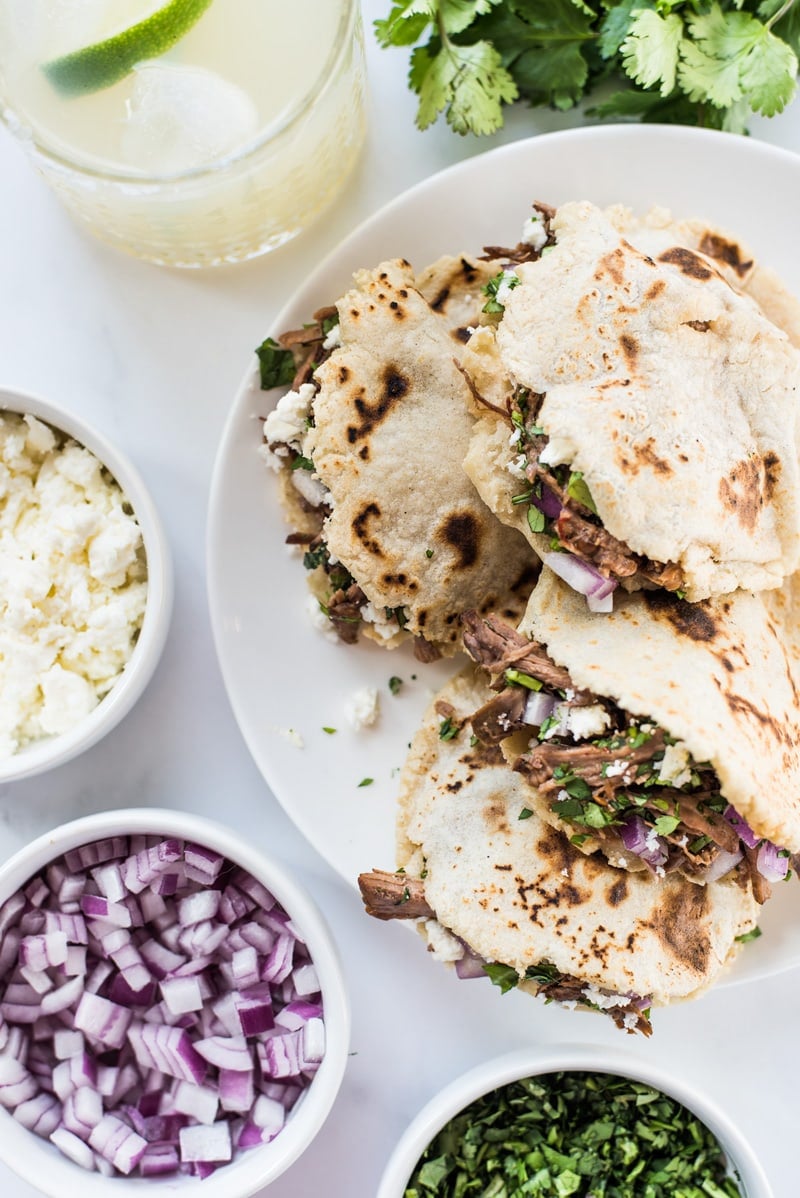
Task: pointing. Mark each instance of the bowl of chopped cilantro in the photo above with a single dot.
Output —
(577, 1121)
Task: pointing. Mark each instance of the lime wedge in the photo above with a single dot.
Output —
(107, 62)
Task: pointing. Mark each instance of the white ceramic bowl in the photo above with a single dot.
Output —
(43, 1166)
(55, 750)
(585, 1058)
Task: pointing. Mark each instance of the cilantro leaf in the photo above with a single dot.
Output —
(504, 976)
(276, 365)
(650, 51)
(616, 25)
(469, 83)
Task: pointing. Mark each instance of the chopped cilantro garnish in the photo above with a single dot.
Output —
(503, 976)
(578, 839)
(490, 290)
(525, 813)
(366, 782)
(523, 497)
(329, 322)
(429, 553)
(276, 365)
(315, 557)
(680, 594)
(698, 844)
(521, 679)
(394, 684)
(536, 519)
(549, 722)
(330, 731)
(665, 825)
(561, 1134)
(473, 740)
(397, 613)
(579, 491)
(301, 463)
(577, 788)
(753, 934)
(448, 730)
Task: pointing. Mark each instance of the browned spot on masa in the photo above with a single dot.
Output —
(693, 620)
(363, 453)
(687, 262)
(617, 893)
(647, 453)
(612, 264)
(344, 374)
(461, 530)
(654, 290)
(725, 251)
(679, 923)
(370, 512)
(395, 386)
(441, 299)
(743, 491)
(462, 334)
(630, 348)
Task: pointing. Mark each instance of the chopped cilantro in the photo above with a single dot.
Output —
(698, 844)
(521, 679)
(545, 973)
(448, 730)
(315, 557)
(753, 934)
(523, 497)
(276, 365)
(301, 463)
(366, 782)
(680, 594)
(394, 684)
(579, 838)
(502, 278)
(398, 614)
(503, 976)
(473, 740)
(550, 721)
(578, 490)
(561, 1134)
(577, 788)
(665, 825)
(429, 553)
(330, 731)
(329, 322)
(536, 519)
(525, 813)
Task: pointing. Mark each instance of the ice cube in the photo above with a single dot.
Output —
(180, 117)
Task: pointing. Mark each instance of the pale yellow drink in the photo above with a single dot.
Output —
(223, 147)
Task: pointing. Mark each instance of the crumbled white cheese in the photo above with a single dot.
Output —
(516, 467)
(550, 455)
(363, 708)
(290, 734)
(630, 1021)
(320, 621)
(443, 945)
(578, 722)
(534, 232)
(508, 281)
(385, 629)
(652, 841)
(334, 337)
(74, 583)
(615, 769)
(310, 487)
(606, 1002)
(675, 768)
(286, 424)
(514, 439)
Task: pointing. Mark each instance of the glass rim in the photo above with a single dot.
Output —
(347, 32)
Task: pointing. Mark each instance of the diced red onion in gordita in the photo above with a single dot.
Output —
(539, 706)
(580, 575)
(643, 841)
(548, 503)
(722, 864)
(771, 862)
(159, 1011)
(746, 833)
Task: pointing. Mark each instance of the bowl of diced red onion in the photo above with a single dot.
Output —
(172, 1010)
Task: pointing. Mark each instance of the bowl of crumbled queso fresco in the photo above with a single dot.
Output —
(174, 1013)
(572, 1120)
(86, 595)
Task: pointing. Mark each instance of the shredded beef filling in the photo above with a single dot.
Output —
(599, 783)
(397, 896)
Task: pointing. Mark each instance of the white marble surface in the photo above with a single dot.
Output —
(155, 357)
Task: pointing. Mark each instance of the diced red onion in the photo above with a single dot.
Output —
(722, 864)
(580, 575)
(73, 1147)
(548, 503)
(771, 863)
(741, 825)
(127, 946)
(539, 706)
(641, 840)
(206, 1143)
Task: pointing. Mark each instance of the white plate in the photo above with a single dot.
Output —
(279, 671)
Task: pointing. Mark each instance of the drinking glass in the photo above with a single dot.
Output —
(223, 147)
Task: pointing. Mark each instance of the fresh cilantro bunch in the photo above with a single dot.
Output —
(700, 62)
